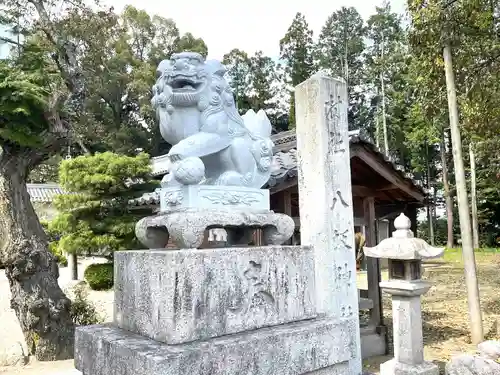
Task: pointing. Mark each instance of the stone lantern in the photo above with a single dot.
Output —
(405, 285)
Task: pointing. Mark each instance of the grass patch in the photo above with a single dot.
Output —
(454, 255)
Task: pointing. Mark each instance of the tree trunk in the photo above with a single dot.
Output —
(41, 307)
(382, 86)
(473, 197)
(384, 119)
(475, 315)
(74, 266)
(429, 207)
(447, 195)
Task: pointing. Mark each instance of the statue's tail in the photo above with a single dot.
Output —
(259, 130)
(257, 124)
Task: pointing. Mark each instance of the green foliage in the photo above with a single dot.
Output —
(53, 238)
(440, 231)
(189, 43)
(470, 28)
(115, 58)
(340, 52)
(46, 172)
(238, 67)
(56, 251)
(83, 312)
(296, 49)
(488, 190)
(97, 216)
(99, 276)
(262, 76)
(23, 105)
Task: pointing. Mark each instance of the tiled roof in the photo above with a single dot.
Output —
(43, 193)
(147, 199)
(285, 158)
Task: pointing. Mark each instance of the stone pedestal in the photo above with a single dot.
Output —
(217, 312)
(188, 212)
(182, 296)
(209, 196)
(318, 347)
(407, 321)
(393, 367)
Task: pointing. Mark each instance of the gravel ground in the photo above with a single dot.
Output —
(11, 332)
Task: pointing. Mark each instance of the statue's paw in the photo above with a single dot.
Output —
(169, 181)
(231, 178)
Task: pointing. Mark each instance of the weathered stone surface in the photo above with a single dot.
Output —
(466, 364)
(393, 367)
(403, 245)
(206, 196)
(290, 349)
(325, 198)
(187, 227)
(184, 295)
(490, 349)
(408, 338)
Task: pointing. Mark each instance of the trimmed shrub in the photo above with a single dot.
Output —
(99, 276)
(83, 312)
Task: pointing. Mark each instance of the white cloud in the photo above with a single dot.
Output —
(258, 25)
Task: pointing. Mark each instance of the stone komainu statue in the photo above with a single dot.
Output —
(211, 143)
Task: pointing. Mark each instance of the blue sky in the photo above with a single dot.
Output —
(257, 25)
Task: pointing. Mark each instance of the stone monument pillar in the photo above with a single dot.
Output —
(405, 254)
(238, 310)
(325, 199)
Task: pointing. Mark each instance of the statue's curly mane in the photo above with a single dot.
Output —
(220, 99)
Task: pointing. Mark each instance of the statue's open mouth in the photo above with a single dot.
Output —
(183, 83)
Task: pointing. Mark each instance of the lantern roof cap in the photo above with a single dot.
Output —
(403, 245)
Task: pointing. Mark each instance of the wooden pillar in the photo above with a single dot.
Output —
(411, 213)
(373, 264)
(287, 202)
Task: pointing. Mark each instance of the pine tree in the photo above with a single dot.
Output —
(238, 63)
(339, 51)
(386, 74)
(296, 49)
(97, 216)
(262, 81)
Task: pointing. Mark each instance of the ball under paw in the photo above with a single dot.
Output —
(189, 171)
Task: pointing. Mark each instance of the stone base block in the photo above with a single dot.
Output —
(372, 343)
(187, 227)
(208, 197)
(393, 367)
(185, 295)
(315, 347)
